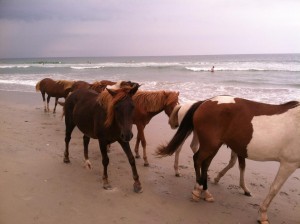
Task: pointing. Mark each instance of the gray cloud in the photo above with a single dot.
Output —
(35, 28)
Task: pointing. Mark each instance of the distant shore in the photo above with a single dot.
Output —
(37, 187)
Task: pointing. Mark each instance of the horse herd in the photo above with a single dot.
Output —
(107, 110)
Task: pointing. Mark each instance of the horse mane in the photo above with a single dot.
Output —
(173, 119)
(107, 101)
(66, 83)
(153, 101)
(99, 86)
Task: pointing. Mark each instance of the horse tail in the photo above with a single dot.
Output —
(37, 86)
(184, 130)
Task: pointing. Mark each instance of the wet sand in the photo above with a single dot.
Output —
(37, 187)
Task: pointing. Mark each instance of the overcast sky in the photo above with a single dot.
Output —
(53, 28)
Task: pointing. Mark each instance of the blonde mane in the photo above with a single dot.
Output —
(66, 83)
(107, 101)
(173, 119)
(153, 101)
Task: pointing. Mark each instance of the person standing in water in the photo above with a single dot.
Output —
(212, 69)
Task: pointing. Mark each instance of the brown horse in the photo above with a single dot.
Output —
(80, 85)
(57, 89)
(107, 117)
(98, 86)
(147, 105)
(253, 130)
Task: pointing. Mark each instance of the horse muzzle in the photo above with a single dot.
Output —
(126, 137)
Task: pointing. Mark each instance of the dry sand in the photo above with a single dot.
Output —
(37, 187)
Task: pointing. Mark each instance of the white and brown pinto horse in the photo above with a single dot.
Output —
(253, 130)
(174, 121)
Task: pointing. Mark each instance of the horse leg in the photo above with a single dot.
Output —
(44, 100)
(56, 99)
(242, 166)
(105, 162)
(202, 158)
(176, 161)
(86, 141)
(194, 146)
(136, 147)
(48, 100)
(197, 189)
(69, 129)
(137, 143)
(233, 158)
(137, 187)
(204, 176)
(141, 137)
(285, 170)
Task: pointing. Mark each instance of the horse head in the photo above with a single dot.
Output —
(171, 101)
(122, 110)
(173, 119)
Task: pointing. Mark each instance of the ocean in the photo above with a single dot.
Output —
(270, 78)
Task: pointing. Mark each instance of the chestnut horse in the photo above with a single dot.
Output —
(107, 117)
(175, 120)
(57, 89)
(147, 105)
(98, 86)
(253, 130)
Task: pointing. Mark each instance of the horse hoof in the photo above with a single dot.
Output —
(137, 188)
(263, 222)
(146, 164)
(195, 195)
(137, 156)
(248, 194)
(177, 175)
(66, 160)
(107, 187)
(216, 180)
(208, 196)
(209, 199)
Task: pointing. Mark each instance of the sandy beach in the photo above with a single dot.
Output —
(37, 187)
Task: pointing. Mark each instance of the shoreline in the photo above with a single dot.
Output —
(42, 189)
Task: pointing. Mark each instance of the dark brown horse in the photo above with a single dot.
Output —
(108, 117)
(57, 89)
(147, 105)
(253, 130)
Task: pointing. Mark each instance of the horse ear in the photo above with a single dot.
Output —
(111, 92)
(134, 89)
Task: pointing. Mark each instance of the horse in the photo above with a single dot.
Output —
(147, 105)
(98, 86)
(253, 130)
(57, 89)
(80, 85)
(174, 120)
(108, 117)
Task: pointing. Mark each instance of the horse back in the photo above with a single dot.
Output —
(249, 128)
(82, 109)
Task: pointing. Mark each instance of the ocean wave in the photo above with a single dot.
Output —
(86, 67)
(14, 66)
(19, 82)
(207, 69)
